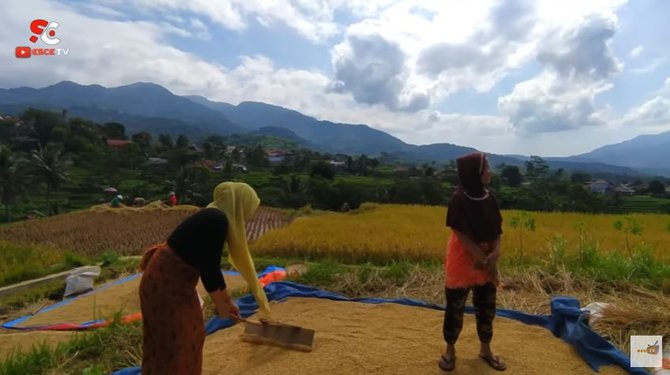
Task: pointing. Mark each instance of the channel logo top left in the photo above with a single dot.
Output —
(22, 52)
(44, 31)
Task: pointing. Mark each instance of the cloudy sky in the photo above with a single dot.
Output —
(524, 77)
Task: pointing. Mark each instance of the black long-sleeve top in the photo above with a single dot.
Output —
(199, 240)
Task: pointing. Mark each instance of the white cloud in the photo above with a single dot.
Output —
(539, 106)
(312, 20)
(664, 91)
(135, 51)
(201, 30)
(636, 52)
(198, 25)
(650, 67)
(464, 126)
(447, 47)
(175, 19)
(373, 70)
(172, 29)
(438, 48)
(361, 8)
(578, 65)
(653, 113)
(101, 10)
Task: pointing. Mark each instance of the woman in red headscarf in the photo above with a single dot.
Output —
(472, 257)
(172, 199)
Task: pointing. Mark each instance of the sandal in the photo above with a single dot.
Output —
(495, 362)
(447, 364)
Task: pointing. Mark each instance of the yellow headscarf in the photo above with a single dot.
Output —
(239, 202)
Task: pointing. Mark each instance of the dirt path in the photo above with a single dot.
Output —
(386, 339)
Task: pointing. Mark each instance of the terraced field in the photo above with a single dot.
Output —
(644, 204)
(126, 231)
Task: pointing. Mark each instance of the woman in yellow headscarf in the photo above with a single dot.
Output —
(174, 331)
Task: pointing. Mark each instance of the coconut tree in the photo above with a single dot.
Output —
(294, 191)
(189, 182)
(12, 178)
(50, 163)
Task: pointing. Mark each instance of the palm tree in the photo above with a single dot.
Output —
(294, 191)
(188, 183)
(12, 179)
(50, 163)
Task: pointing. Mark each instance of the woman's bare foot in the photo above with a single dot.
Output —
(448, 359)
(494, 361)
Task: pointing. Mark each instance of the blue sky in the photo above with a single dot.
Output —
(523, 77)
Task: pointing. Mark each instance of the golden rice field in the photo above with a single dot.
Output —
(373, 233)
(385, 232)
(126, 230)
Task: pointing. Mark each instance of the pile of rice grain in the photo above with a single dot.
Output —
(358, 338)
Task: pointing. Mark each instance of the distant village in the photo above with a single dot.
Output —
(277, 156)
(274, 156)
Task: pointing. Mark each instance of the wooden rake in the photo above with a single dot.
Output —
(279, 334)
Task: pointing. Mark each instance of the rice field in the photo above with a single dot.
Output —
(418, 233)
(126, 230)
(374, 233)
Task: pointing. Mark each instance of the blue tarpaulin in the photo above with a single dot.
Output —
(566, 322)
(14, 324)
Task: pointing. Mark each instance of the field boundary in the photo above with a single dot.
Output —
(28, 284)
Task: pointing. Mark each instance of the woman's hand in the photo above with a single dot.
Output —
(492, 259)
(480, 263)
(229, 310)
(477, 253)
(225, 306)
(491, 265)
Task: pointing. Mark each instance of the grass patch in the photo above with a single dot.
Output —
(97, 352)
(73, 260)
(51, 290)
(113, 267)
(321, 274)
(24, 262)
(398, 272)
(641, 267)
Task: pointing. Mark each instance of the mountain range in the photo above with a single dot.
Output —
(149, 107)
(647, 153)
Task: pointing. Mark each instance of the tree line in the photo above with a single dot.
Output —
(50, 162)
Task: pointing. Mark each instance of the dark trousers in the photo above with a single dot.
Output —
(484, 300)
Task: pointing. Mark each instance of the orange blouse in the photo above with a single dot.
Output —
(459, 265)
